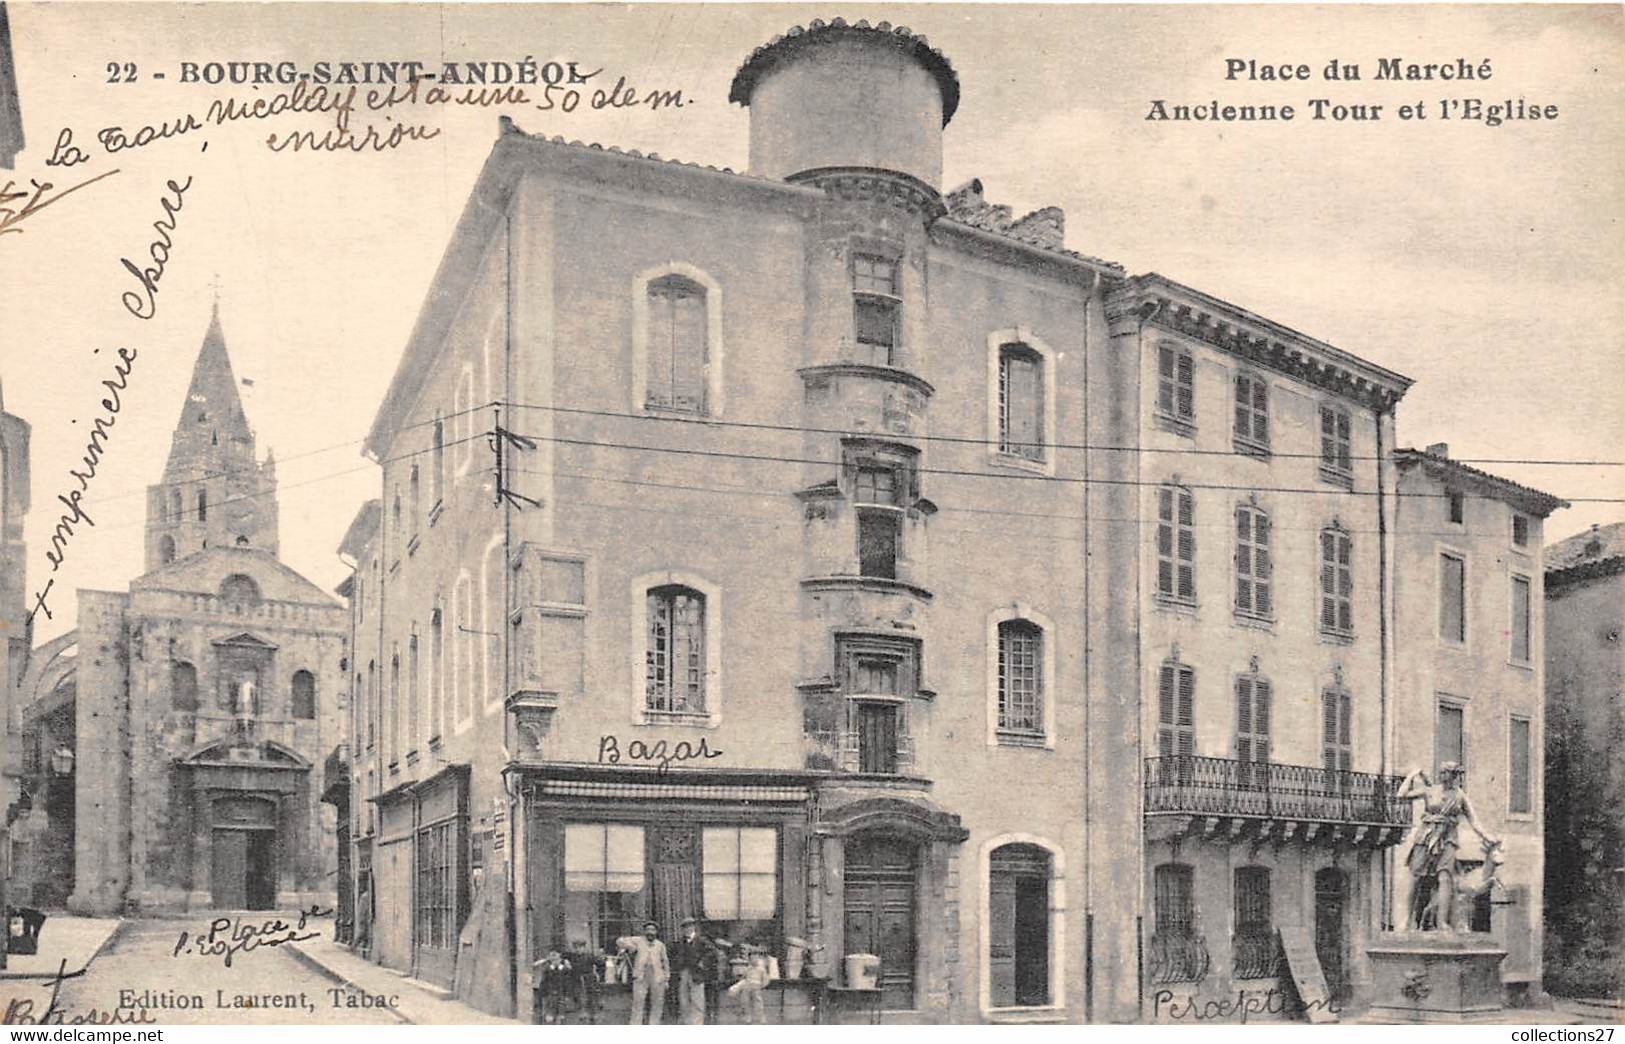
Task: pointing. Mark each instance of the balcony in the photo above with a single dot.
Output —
(1229, 800)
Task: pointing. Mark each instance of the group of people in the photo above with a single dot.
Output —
(705, 969)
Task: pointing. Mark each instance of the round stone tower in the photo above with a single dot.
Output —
(839, 96)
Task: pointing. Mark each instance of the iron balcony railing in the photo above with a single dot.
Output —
(1227, 787)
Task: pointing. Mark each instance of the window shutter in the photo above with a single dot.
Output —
(1261, 719)
(1187, 716)
(1262, 602)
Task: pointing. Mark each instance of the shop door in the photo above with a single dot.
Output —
(1331, 934)
(228, 870)
(880, 875)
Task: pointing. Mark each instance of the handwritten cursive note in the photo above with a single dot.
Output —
(17, 204)
(159, 250)
(227, 937)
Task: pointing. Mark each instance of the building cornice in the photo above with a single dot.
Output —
(1254, 339)
(1445, 470)
(1560, 580)
(875, 185)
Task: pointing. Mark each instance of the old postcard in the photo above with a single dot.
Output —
(762, 514)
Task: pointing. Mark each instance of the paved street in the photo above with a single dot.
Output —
(139, 970)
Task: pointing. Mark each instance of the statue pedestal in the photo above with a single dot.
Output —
(1436, 976)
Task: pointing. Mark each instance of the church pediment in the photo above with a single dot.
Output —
(245, 640)
(231, 753)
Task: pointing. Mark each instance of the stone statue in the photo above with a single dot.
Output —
(1432, 856)
(244, 707)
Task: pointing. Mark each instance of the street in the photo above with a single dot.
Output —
(139, 977)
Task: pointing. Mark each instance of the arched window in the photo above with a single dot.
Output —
(1254, 595)
(395, 512)
(202, 505)
(239, 589)
(1021, 401)
(242, 540)
(677, 346)
(437, 648)
(1019, 882)
(166, 549)
(372, 702)
(394, 697)
(412, 682)
(412, 502)
(175, 504)
(1021, 678)
(674, 656)
(183, 686)
(439, 460)
(1253, 707)
(304, 695)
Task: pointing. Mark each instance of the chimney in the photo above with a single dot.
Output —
(1439, 449)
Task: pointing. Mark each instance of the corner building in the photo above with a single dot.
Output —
(747, 632)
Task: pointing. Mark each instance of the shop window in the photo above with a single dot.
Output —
(604, 888)
(1019, 926)
(304, 695)
(678, 333)
(436, 897)
(740, 877)
(183, 686)
(1255, 951)
(674, 658)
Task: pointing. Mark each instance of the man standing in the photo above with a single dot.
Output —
(694, 959)
(650, 972)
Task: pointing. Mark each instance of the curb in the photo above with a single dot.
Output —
(322, 968)
(118, 929)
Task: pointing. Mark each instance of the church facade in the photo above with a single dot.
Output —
(207, 696)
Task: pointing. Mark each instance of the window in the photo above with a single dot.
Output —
(1176, 544)
(877, 483)
(166, 549)
(1450, 737)
(1253, 562)
(1336, 730)
(1178, 953)
(674, 658)
(183, 686)
(740, 873)
(1019, 926)
(1457, 505)
(1176, 385)
(1520, 796)
(875, 308)
(413, 708)
(372, 700)
(1336, 444)
(1176, 717)
(395, 707)
(464, 670)
(878, 533)
(1255, 950)
(202, 505)
(1520, 619)
(1021, 402)
(439, 460)
(303, 691)
(877, 675)
(436, 896)
(1252, 413)
(1336, 581)
(603, 882)
(437, 652)
(1520, 530)
(877, 737)
(1452, 598)
(413, 503)
(239, 589)
(175, 510)
(1021, 678)
(677, 344)
(1252, 730)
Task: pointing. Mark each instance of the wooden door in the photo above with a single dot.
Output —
(880, 914)
(1331, 944)
(260, 883)
(228, 872)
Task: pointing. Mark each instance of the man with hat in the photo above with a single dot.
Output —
(694, 959)
(650, 972)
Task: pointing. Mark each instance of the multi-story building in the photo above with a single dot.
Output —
(15, 629)
(205, 698)
(1585, 777)
(1258, 640)
(1469, 667)
(782, 565)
